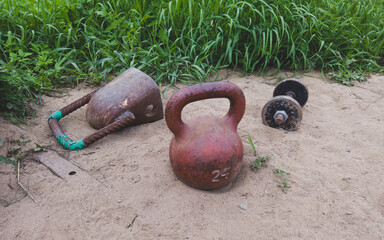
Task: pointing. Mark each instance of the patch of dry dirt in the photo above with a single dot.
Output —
(127, 189)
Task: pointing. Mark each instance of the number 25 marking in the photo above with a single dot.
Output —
(217, 174)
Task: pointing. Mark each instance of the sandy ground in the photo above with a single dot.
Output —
(127, 189)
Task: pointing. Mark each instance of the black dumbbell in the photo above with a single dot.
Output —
(284, 110)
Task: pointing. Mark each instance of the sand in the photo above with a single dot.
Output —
(126, 188)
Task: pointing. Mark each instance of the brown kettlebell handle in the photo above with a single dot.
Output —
(68, 143)
(200, 92)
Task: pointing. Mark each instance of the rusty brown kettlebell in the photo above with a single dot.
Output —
(206, 152)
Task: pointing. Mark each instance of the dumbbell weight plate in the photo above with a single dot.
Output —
(295, 86)
(282, 103)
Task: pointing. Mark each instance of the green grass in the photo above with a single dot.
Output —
(283, 175)
(259, 161)
(47, 43)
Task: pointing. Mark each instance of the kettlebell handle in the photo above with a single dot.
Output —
(53, 122)
(200, 92)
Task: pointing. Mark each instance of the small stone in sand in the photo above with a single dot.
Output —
(243, 206)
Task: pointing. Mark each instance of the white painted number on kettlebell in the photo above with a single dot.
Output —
(217, 174)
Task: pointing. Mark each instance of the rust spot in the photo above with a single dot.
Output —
(124, 103)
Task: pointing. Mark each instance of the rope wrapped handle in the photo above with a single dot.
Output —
(69, 144)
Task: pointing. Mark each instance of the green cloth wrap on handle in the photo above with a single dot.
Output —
(56, 115)
(68, 143)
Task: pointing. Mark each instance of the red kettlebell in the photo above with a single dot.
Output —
(206, 152)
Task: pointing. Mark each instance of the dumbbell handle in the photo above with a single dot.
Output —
(280, 117)
(290, 94)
